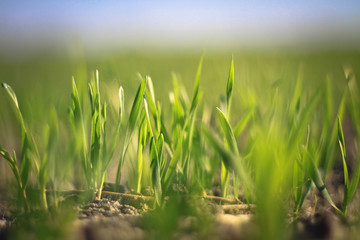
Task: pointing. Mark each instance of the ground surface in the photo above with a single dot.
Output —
(123, 219)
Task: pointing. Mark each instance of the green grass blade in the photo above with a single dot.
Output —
(13, 98)
(229, 135)
(11, 93)
(6, 155)
(151, 88)
(343, 154)
(141, 144)
(13, 165)
(196, 85)
(341, 138)
(341, 141)
(229, 87)
(160, 146)
(135, 110)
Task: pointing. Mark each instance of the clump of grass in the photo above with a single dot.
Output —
(96, 155)
(29, 157)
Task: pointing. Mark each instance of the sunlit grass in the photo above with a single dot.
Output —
(276, 137)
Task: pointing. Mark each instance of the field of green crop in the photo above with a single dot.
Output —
(272, 129)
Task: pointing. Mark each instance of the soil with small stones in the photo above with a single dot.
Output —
(128, 218)
(110, 219)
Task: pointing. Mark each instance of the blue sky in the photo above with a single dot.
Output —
(28, 25)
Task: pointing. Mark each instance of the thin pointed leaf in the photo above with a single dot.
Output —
(196, 85)
(341, 136)
(11, 93)
(6, 155)
(229, 87)
(343, 155)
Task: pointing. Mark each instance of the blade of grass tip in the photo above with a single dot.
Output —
(121, 103)
(151, 88)
(13, 97)
(316, 177)
(229, 87)
(13, 165)
(11, 93)
(134, 113)
(6, 155)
